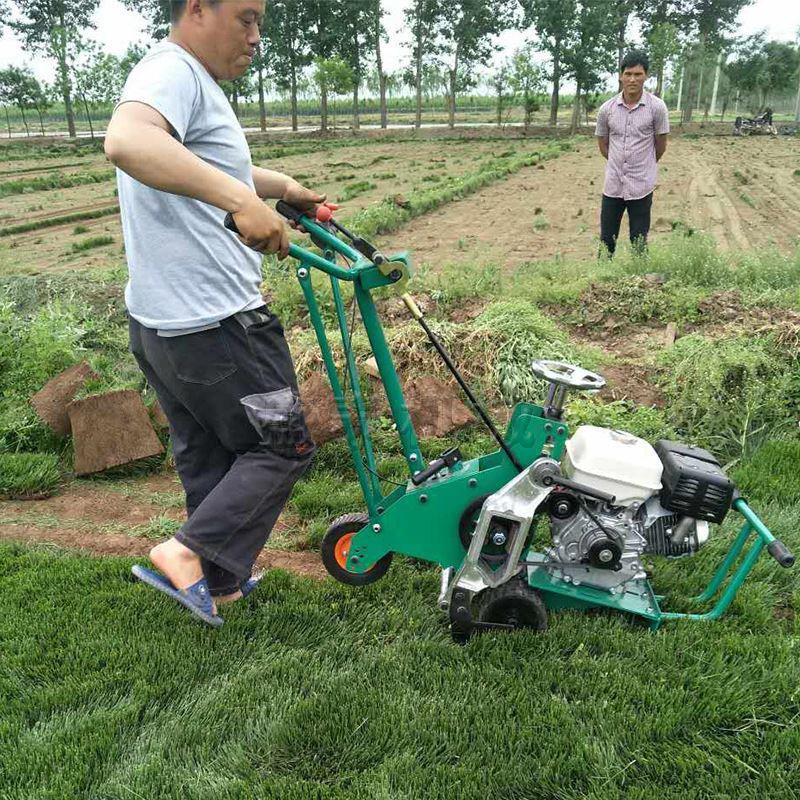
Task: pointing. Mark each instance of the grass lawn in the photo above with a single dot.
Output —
(315, 690)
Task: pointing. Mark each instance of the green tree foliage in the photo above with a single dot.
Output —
(590, 52)
(662, 28)
(156, 12)
(425, 20)
(332, 76)
(468, 32)
(527, 81)
(287, 46)
(357, 44)
(709, 23)
(53, 27)
(554, 22)
(98, 78)
(19, 87)
(501, 84)
(763, 68)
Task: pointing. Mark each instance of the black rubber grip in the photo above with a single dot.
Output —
(290, 212)
(428, 472)
(230, 223)
(781, 553)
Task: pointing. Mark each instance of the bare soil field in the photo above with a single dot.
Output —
(122, 518)
(741, 191)
(355, 176)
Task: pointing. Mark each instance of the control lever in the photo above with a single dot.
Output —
(448, 459)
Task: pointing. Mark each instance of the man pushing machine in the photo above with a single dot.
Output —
(199, 329)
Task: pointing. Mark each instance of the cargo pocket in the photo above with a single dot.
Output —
(278, 418)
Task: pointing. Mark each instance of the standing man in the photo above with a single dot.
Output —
(631, 131)
(199, 329)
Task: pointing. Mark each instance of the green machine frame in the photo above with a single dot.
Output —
(423, 521)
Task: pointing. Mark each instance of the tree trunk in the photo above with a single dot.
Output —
(381, 74)
(717, 71)
(8, 121)
(659, 80)
(64, 74)
(418, 76)
(556, 82)
(235, 101)
(384, 115)
(41, 120)
(293, 99)
(700, 86)
(680, 89)
(500, 107)
(623, 26)
(451, 111)
(24, 121)
(88, 115)
(797, 101)
(357, 76)
(323, 109)
(262, 106)
(576, 111)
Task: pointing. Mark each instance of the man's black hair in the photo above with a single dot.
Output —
(636, 58)
(176, 8)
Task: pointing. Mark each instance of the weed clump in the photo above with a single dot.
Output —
(513, 333)
(646, 422)
(355, 189)
(729, 395)
(91, 243)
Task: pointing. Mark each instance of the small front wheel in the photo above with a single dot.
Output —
(336, 549)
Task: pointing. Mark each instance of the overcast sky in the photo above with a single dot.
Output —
(116, 28)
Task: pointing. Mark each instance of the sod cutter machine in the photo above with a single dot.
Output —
(608, 498)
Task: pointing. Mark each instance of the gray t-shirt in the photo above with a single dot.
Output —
(185, 269)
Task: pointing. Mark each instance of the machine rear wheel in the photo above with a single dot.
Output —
(336, 547)
(514, 603)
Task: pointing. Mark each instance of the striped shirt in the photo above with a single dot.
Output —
(631, 171)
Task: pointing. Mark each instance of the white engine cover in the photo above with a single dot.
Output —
(616, 462)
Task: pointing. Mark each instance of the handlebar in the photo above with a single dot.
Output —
(781, 553)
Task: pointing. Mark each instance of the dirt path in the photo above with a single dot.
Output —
(103, 520)
(741, 191)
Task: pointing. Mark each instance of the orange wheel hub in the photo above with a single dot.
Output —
(342, 549)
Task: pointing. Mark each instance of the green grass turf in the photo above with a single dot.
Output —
(316, 690)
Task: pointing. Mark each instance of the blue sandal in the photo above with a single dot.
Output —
(247, 586)
(196, 598)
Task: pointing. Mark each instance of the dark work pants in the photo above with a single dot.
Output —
(237, 461)
(611, 213)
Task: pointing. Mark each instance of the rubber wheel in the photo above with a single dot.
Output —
(336, 546)
(513, 603)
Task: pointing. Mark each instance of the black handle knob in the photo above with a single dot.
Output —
(781, 553)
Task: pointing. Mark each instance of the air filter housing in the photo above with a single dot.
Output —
(693, 483)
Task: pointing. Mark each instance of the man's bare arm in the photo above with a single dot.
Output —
(661, 145)
(139, 142)
(602, 143)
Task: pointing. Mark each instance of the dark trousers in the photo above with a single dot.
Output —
(238, 434)
(611, 213)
